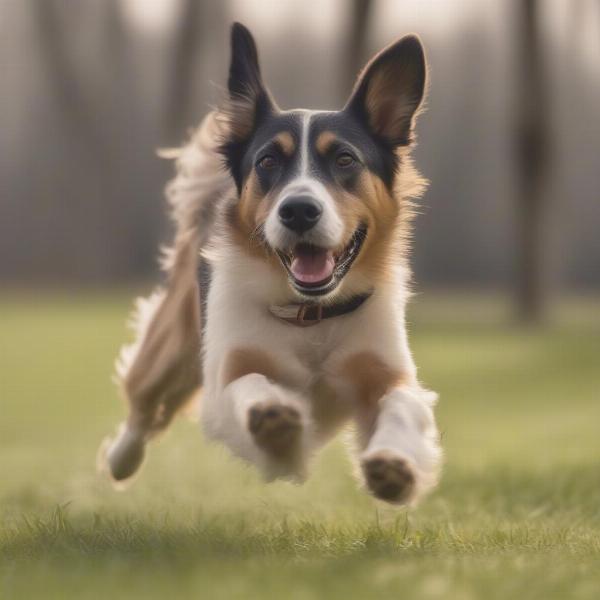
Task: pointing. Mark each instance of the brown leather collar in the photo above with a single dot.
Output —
(307, 314)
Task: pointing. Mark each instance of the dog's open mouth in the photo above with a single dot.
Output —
(314, 270)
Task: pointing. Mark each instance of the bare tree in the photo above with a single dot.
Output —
(99, 113)
(531, 135)
(179, 88)
(356, 50)
(200, 30)
(51, 22)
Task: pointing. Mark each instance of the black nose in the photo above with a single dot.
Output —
(299, 213)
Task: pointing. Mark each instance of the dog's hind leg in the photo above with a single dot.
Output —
(161, 371)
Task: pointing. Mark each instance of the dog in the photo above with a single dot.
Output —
(287, 281)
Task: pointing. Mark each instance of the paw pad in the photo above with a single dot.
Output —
(389, 477)
(276, 428)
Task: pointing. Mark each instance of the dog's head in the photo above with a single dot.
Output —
(316, 188)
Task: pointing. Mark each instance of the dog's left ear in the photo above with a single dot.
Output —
(390, 90)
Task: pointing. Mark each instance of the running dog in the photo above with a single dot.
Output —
(284, 306)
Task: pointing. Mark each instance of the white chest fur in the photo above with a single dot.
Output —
(315, 359)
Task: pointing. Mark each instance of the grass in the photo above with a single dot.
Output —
(517, 514)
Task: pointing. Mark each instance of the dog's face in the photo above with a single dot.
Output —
(316, 187)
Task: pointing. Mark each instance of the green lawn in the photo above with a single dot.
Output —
(517, 514)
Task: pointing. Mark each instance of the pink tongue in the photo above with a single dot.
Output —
(313, 266)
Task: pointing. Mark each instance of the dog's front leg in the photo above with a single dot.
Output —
(267, 424)
(402, 453)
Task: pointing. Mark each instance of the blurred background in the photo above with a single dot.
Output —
(507, 235)
(510, 141)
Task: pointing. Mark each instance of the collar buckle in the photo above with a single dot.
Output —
(302, 319)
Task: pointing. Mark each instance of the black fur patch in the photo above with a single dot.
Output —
(398, 72)
(352, 137)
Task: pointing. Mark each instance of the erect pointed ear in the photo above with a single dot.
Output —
(390, 90)
(248, 97)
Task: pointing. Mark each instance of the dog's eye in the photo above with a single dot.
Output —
(268, 162)
(344, 160)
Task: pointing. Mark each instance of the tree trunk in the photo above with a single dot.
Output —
(357, 38)
(531, 164)
(181, 74)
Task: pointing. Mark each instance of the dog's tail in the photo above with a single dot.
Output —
(161, 371)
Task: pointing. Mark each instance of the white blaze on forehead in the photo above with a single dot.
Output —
(329, 230)
(304, 140)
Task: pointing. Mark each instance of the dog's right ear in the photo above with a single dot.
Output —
(249, 99)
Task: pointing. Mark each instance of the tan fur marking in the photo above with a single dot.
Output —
(246, 215)
(286, 142)
(370, 376)
(383, 247)
(329, 411)
(248, 204)
(244, 361)
(373, 205)
(324, 141)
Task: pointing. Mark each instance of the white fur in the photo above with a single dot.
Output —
(238, 317)
(304, 148)
(122, 456)
(406, 426)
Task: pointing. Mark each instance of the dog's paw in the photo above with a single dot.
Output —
(276, 428)
(389, 477)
